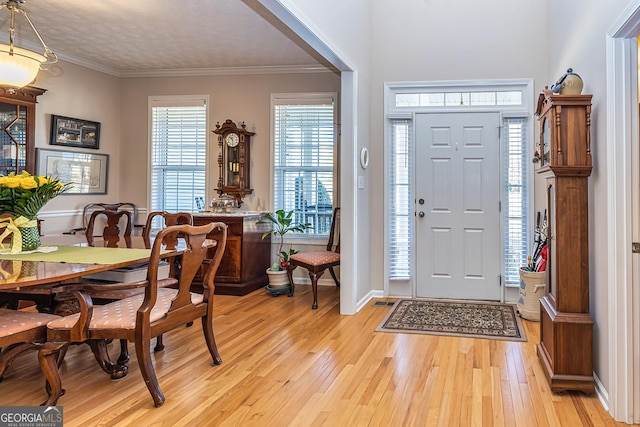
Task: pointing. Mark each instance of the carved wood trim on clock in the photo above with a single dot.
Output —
(563, 118)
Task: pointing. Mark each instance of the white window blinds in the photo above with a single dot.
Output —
(178, 155)
(515, 198)
(304, 144)
(400, 193)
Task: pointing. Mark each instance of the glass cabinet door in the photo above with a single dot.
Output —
(13, 138)
(17, 129)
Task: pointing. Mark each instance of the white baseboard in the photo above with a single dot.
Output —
(305, 281)
(368, 297)
(601, 392)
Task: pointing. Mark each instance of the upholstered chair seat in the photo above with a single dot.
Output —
(316, 258)
(14, 321)
(24, 330)
(122, 313)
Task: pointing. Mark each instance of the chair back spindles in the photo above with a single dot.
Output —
(169, 219)
(112, 232)
(332, 233)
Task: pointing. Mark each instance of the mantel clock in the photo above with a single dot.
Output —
(234, 161)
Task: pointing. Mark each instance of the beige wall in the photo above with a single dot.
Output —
(78, 92)
(239, 98)
(121, 106)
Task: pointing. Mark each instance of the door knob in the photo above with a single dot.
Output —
(421, 214)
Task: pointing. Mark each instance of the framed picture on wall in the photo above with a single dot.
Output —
(86, 172)
(74, 132)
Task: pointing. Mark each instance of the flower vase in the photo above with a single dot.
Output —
(30, 238)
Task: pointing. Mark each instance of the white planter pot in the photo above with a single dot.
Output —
(278, 279)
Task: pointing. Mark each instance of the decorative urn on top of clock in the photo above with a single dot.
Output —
(234, 160)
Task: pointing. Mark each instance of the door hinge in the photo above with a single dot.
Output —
(499, 280)
(499, 206)
(635, 247)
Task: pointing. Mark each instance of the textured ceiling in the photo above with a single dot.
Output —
(138, 37)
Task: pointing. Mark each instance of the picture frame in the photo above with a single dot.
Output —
(87, 172)
(72, 132)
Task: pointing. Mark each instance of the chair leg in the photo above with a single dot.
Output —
(124, 353)
(207, 328)
(143, 351)
(99, 349)
(49, 359)
(159, 345)
(292, 286)
(314, 288)
(333, 274)
(11, 352)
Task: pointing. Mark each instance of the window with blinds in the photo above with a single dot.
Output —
(178, 154)
(400, 194)
(515, 198)
(303, 169)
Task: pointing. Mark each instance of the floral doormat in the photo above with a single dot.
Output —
(456, 318)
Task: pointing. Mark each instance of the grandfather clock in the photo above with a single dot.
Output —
(234, 160)
(566, 327)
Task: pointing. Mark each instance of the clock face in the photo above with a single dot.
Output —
(232, 139)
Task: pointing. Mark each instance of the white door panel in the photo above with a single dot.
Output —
(458, 180)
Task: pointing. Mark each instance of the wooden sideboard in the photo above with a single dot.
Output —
(246, 257)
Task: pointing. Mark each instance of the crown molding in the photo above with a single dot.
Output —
(180, 72)
(228, 71)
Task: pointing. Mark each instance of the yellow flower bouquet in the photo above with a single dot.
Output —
(22, 196)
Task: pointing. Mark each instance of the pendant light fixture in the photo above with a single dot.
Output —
(19, 67)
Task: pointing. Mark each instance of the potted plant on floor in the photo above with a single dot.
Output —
(282, 224)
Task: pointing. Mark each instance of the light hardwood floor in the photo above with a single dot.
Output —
(287, 365)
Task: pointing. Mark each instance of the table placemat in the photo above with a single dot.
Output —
(83, 255)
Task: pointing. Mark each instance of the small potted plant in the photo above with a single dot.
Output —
(282, 223)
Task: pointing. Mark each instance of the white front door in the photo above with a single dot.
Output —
(458, 206)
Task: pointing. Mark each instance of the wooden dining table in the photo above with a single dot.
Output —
(71, 260)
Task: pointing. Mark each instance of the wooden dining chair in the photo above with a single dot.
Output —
(317, 262)
(158, 310)
(157, 220)
(113, 231)
(25, 330)
(89, 208)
